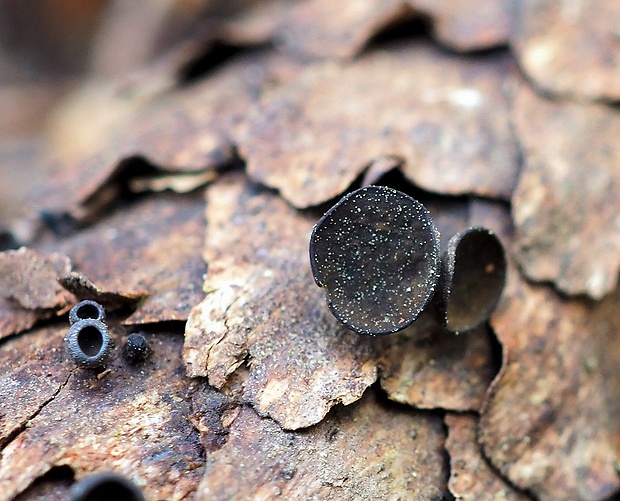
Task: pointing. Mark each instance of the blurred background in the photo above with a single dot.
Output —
(55, 59)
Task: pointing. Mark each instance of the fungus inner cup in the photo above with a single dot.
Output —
(376, 254)
(88, 343)
(90, 340)
(87, 310)
(473, 276)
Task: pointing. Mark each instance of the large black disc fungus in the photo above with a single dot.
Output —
(376, 253)
(472, 278)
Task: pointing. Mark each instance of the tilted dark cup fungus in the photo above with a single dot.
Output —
(105, 487)
(88, 343)
(473, 272)
(86, 309)
(376, 254)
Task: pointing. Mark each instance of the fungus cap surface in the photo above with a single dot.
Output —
(376, 254)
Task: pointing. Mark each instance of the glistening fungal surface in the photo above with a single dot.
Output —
(376, 254)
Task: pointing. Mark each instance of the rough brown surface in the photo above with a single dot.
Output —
(567, 204)
(471, 478)
(187, 129)
(33, 369)
(324, 29)
(30, 279)
(55, 485)
(338, 30)
(132, 420)
(259, 24)
(546, 425)
(269, 396)
(470, 24)
(570, 48)
(368, 450)
(428, 367)
(14, 319)
(263, 308)
(30, 290)
(82, 288)
(154, 245)
(605, 326)
(447, 117)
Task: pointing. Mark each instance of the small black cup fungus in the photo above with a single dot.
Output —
(136, 348)
(376, 253)
(473, 272)
(105, 487)
(88, 343)
(86, 309)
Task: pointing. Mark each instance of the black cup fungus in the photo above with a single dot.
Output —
(86, 309)
(88, 343)
(376, 254)
(473, 272)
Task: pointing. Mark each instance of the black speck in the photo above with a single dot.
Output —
(136, 348)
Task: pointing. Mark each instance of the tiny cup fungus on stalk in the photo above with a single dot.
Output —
(473, 272)
(105, 486)
(86, 309)
(88, 343)
(376, 254)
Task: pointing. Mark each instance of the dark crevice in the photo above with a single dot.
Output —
(397, 180)
(440, 414)
(509, 96)
(393, 178)
(407, 28)
(24, 425)
(128, 168)
(539, 89)
(482, 52)
(39, 324)
(166, 327)
(8, 241)
(218, 54)
(523, 492)
(113, 193)
(235, 163)
(614, 497)
(497, 352)
(62, 225)
(61, 477)
(497, 472)
(209, 406)
(447, 496)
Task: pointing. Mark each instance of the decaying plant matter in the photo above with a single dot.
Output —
(189, 216)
